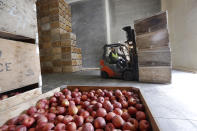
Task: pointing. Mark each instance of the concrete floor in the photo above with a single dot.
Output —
(173, 106)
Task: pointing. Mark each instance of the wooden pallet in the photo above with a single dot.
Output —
(16, 110)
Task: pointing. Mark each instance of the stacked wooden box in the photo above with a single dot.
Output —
(154, 53)
(58, 51)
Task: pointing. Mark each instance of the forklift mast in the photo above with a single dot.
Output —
(133, 51)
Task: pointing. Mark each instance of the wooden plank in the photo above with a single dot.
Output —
(19, 64)
(151, 24)
(18, 109)
(20, 98)
(154, 58)
(157, 74)
(18, 17)
(157, 39)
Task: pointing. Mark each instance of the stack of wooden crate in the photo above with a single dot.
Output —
(58, 51)
(154, 53)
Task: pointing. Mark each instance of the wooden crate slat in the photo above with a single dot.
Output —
(151, 24)
(154, 58)
(20, 98)
(157, 39)
(20, 64)
(158, 74)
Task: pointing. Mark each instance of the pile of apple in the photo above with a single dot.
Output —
(2, 97)
(97, 110)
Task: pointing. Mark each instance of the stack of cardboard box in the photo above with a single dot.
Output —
(58, 51)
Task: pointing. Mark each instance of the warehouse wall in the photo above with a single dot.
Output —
(183, 32)
(89, 24)
(18, 17)
(124, 12)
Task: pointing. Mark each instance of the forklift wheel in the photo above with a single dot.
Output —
(104, 74)
(128, 75)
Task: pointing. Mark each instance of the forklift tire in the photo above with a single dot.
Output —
(128, 75)
(104, 74)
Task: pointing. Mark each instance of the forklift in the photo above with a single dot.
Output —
(127, 65)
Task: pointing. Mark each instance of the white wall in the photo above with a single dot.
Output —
(183, 32)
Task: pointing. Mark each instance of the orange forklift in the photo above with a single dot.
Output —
(126, 67)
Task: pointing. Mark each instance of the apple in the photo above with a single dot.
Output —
(118, 93)
(134, 122)
(132, 101)
(109, 116)
(87, 127)
(28, 122)
(117, 105)
(53, 110)
(4, 128)
(89, 119)
(48, 126)
(53, 99)
(99, 123)
(144, 125)
(117, 121)
(42, 119)
(101, 99)
(21, 128)
(139, 107)
(67, 119)
(31, 110)
(32, 129)
(93, 114)
(140, 115)
(60, 118)
(84, 97)
(78, 120)
(108, 106)
(57, 94)
(124, 104)
(60, 127)
(12, 128)
(101, 112)
(77, 100)
(109, 127)
(85, 114)
(65, 103)
(71, 126)
(21, 118)
(128, 126)
(118, 111)
(125, 116)
(132, 110)
(72, 110)
(61, 110)
(51, 117)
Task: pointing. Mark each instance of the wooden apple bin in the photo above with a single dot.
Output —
(18, 109)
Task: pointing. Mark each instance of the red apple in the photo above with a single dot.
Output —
(124, 104)
(101, 112)
(139, 107)
(118, 111)
(42, 119)
(108, 106)
(60, 127)
(87, 127)
(84, 97)
(71, 126)
(109, 116)
(31, 110)
(13, 121)
(117, 121)
(65, 103)
(140, 115)
(134, 122)
(89, 119)
(78, 120)
(144, 125)
(99, 123)
(125, 116)
(51, 117)
(48, 126)
(132, 101)
(53, 99)
(117, 105)
(93, 114)
(85, 114)
(109, 127)
(101, 99)
(60, 118)
(32, 129)
(61, 110)
(132, 110)
(28, 122)
(67, 119)
(72, 110)
(21, 128)
(4, 128)
(128, 126)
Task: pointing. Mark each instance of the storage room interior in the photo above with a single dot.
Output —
(98, 65)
